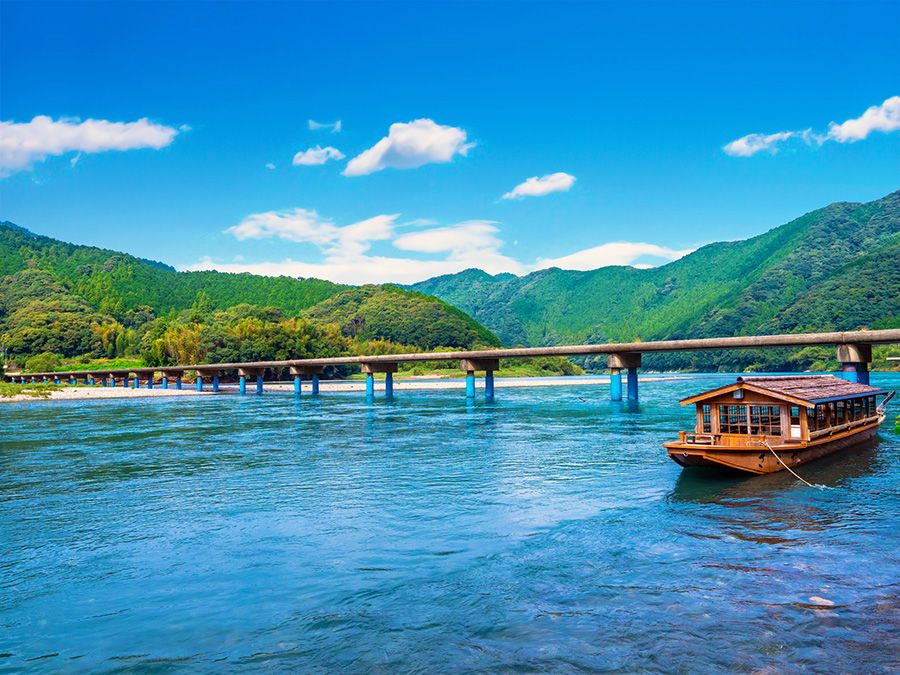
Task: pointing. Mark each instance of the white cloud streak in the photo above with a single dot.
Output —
(749, 145)
(306, 226)
(613, 253)
(409, 145)
(24, 143)
(884, 117)
(439, 250)
(317, 155)
(538, 187)
(333, 127)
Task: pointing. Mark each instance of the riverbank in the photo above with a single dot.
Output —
(88, 393)
(325, 386)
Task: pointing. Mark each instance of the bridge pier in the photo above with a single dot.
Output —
(299, 371)
(165, 381)
(137, 382)
(242, 384)
(214, 374)
(615, 384)
(854, 360)
(471, 366)
(630, 361)
(256, 373)
(379, 367)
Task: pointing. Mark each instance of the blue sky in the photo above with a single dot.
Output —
(649, 128)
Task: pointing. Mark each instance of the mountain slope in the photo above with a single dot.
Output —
(116, 282)
(832, 269)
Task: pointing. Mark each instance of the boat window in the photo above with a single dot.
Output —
(765, 420)
(857, 409)
(733, 419)
(840, 412)
(820, 417)
(705, 412)
(811, 419)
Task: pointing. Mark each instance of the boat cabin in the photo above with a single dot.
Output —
(780, 410)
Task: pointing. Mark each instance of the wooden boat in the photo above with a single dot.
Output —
(765, 424)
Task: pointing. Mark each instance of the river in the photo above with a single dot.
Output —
(546, 530)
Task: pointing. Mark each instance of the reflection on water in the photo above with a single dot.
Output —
(545, 530)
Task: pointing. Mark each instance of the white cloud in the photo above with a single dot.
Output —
(317, 155)
(306, 226)
(456, 239)
(440, 250)
(537, 187)
(334, 127)
(749, 145)
(24, 143)
(614, 253)
(884, 117)
(409, 145)
(270, 166)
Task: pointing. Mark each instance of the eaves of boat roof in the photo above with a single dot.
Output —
(810, 402)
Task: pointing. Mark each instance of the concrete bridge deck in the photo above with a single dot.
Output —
(854, 353)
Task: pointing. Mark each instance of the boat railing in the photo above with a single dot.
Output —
(844, 427)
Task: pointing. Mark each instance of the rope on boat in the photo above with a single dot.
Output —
(818, 487)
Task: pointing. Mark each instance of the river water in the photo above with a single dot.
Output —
(544, 531)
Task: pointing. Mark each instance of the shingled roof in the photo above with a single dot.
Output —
(809, 388)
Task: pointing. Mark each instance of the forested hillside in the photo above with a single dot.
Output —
(117, 282)
(837, 268)
(62, 301)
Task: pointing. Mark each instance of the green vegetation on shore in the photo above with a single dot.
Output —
(39, 390)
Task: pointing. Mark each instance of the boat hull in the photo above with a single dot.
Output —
(758, 459)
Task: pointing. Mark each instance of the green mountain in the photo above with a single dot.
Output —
(117, 282)
(75, 300)
(398, 315)
(836, 268)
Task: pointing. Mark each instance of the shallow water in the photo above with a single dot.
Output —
(544, 531)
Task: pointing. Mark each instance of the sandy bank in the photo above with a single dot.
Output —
(88, 393)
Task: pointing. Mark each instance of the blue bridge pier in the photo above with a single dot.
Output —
(253, 374)
(629, 362)
(471, 366)
(312, 372)
(388, 368)
(207, 374)
(854, 360)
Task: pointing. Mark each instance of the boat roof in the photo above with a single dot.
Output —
(805, 390)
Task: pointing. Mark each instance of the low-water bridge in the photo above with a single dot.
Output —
(854, 352)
